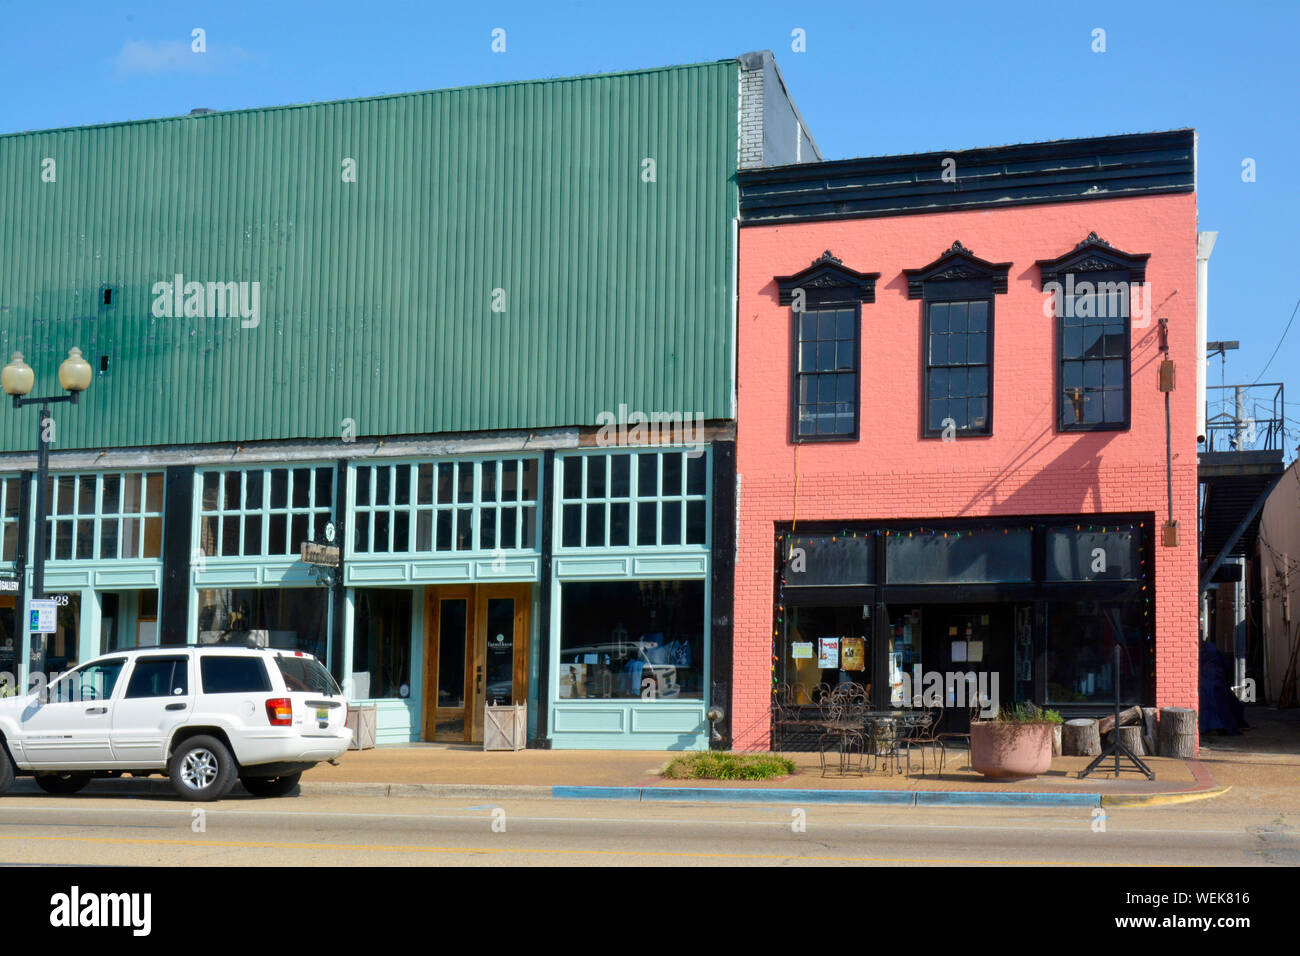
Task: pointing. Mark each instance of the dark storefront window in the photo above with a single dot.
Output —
(1080, 553)
(381, 644)
(264, 511)
(630, 639)
(294, 619)
(954, 556)
(1081, 640)
(826, 374)
(829, 560)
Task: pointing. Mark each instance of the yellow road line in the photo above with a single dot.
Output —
(1160, 799)
(192, 844)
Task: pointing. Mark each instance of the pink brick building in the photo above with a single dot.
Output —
(951, 449)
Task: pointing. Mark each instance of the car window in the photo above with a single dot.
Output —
(94, 681)
(306, 674)
(159, 677)
(233, 675)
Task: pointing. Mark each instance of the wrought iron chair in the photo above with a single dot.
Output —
(955, 737)
(924, 732)
(842, 712)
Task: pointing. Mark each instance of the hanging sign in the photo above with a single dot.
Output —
(828, 652)
(41, 616)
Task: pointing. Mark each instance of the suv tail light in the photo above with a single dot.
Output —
(279, 711)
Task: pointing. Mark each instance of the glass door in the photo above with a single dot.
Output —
(476, 654)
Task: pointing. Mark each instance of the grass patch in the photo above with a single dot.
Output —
(718, 765)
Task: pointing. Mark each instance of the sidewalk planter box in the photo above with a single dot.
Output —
(361, 721)
(1008, 749)
(505, 727)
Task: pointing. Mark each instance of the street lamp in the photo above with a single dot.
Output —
(18, 378)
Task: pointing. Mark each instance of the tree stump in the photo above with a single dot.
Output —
(1131, 737)
(1080, 738)
(1149, 729)
(1177, 732)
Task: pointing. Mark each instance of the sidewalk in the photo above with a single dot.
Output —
(430, 769)
(1261, 767)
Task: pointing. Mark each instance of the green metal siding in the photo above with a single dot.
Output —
(376, 295)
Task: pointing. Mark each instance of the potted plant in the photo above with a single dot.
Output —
(1017, 743)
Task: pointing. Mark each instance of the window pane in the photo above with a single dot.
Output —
(280, 488)
(978, 317)
(938, 317)
(298, 533)
(464, 529)
(108, 529)
(595, 476)
(252, 491)
(443, 525)
(211, 490)
(279, 534)
(301, 487)
(110, 495)
(978, 410)
(957, 379)
(252, 534)
(620, 476)
(619, 521)
(509, 528)
(230, 535)
(647, 485)
(424, 485)
(957, 317)
(488, 481)
(401, 486)
(232, 489)
(445, 479)
(572, 531)
(646, 523)
(595, 525)
(844, 325)
(632, 640)
(383, 486)
(401, 529)
(362, 532)
(695, 528)
(1113, 407)
(697, 470)
(131, 537)
(938, 349)
(363, 486)
(977, 349)
(424, 531)
(826, 360)
(979, 381)
(938, 412)
(672, 468)
(529, 468)
(464, 482)
(487, 529)
(325, 487)
(573, 477)
(382, 529)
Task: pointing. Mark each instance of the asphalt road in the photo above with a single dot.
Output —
(415, 831)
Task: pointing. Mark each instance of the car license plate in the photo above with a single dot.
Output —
(322, 713)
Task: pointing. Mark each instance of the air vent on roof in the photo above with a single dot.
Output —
(200, 110)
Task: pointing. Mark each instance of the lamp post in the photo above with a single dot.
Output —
(18, 378)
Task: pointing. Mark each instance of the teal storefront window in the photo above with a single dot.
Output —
(96, 516)
(264, 512)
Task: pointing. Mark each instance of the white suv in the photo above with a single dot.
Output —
(201, 715)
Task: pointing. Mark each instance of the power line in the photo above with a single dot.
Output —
(1279, 343)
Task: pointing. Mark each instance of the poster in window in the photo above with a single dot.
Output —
(854, 652)
(801, 650)
(828, 653)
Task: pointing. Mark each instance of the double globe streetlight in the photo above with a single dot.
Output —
(17, 379)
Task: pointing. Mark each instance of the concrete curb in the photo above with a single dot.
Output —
(898, 798)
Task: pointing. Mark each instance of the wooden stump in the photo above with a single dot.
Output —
(1131, 737)
(1080, 738)
(1149, 729)
(1177, 732)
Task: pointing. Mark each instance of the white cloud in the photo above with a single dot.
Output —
(175, 56)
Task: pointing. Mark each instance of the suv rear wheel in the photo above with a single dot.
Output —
(6, 770)
(201, 769)
(271, 786)
(62, 783)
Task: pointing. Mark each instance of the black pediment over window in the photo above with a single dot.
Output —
(1093, 254)
(827, 282)
(958, 264)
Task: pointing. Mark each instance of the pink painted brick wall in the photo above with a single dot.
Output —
(1026, 467)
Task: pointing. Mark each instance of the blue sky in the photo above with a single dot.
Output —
(875, 78)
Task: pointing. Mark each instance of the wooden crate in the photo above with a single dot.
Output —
(505, 727)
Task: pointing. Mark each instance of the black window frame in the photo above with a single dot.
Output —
(154, 659)
(957, 276)
(826, 286)
(1093, 260)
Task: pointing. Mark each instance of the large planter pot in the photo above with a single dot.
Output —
(1004, 750)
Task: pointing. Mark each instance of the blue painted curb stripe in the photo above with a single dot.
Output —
(989, 799)
(888, 797)
(737, 795)
(596, 793)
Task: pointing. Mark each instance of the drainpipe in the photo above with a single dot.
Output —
(1204, 246)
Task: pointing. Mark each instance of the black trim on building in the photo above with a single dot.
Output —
(723, 585)
(178, 517)
(338, 594)
(542, 740)
(1104, 167)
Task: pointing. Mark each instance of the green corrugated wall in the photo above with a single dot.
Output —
(376, 296)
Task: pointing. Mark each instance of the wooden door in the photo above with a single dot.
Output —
(476, 652)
